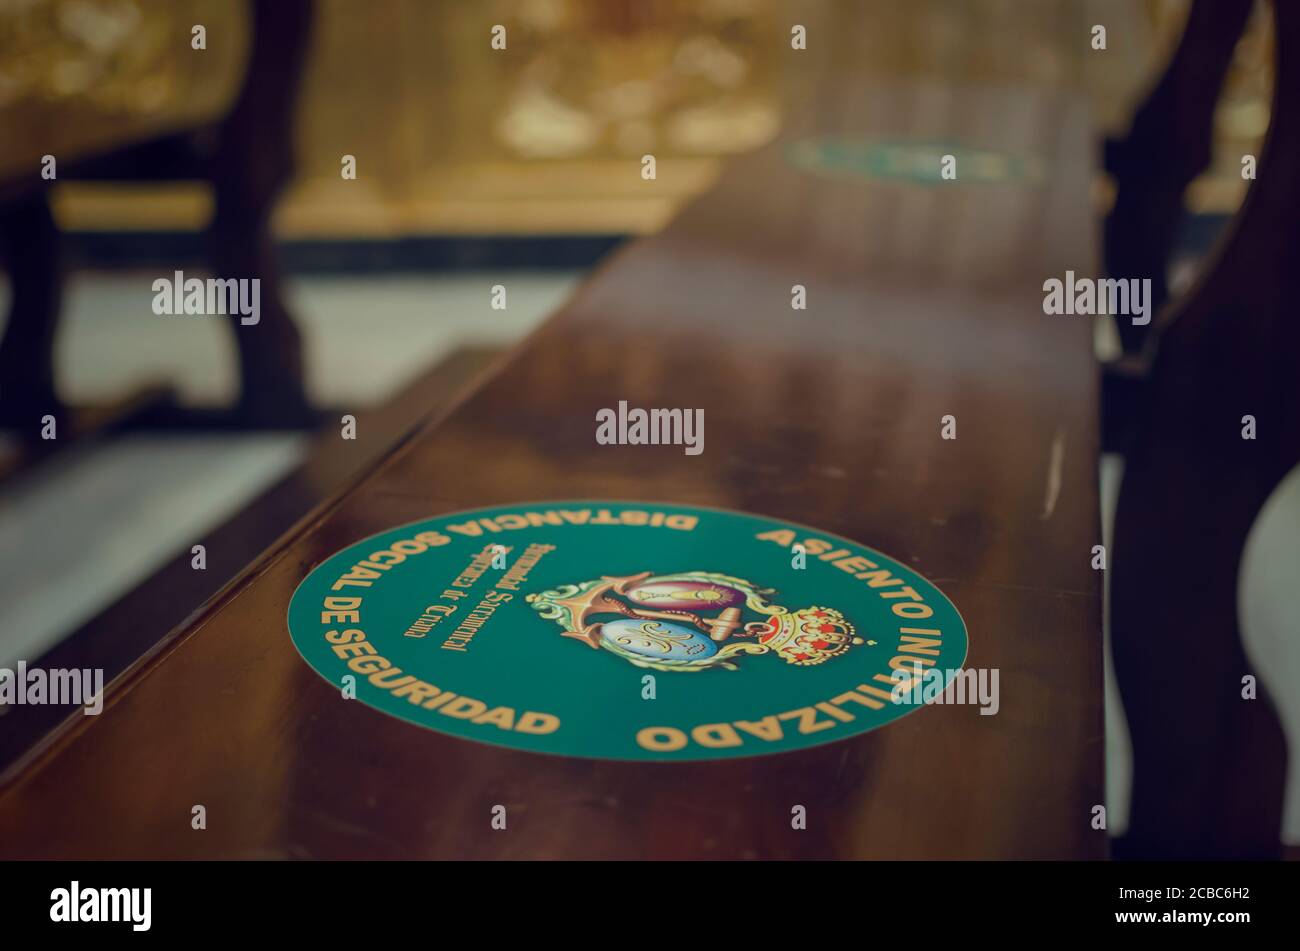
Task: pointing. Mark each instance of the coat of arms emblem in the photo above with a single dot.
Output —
(694, 620)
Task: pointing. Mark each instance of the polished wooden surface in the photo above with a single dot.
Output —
(126, 631)
(923, 301)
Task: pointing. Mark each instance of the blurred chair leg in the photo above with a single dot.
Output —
(1210, 755)
(252, 164)
(31, 243)
(1168, 146)
(272, 390)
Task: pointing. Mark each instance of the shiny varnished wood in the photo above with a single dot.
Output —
(128, 630)
(923, 301)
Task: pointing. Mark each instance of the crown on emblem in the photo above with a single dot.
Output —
(808, 636)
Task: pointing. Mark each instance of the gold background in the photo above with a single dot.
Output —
(452, 136)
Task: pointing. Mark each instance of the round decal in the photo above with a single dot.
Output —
(627, 630)
(920, 163)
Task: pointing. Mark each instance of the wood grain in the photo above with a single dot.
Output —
(923, 301)
(125, 631)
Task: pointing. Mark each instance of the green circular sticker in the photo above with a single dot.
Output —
(627, 630)
(920, 163)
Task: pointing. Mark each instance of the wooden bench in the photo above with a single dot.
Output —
(130, 628)
(924, 301)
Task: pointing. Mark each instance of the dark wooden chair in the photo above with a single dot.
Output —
(1209, 766)
(247, 155)
(1168, 145)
